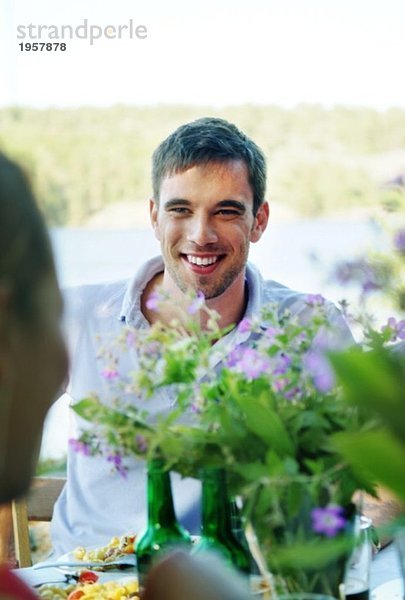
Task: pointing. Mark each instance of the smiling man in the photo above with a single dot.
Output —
(205, 218)
(208, 206)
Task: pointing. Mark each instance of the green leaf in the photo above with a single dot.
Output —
(377, 455)
(374, 380)
(91, 409)
(308, 419)
(294, 499)
(312, 552)
(252, 471)
(88, 408)
(265, 423)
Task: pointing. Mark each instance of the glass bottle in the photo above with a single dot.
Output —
(217, 534)
(238, 530)
(163, 530)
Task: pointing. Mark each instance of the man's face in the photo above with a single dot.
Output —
(204, 222)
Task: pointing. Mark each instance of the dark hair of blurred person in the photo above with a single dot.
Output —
(33, 359)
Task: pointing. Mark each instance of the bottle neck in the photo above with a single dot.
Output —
(160, 499)
(215, 503)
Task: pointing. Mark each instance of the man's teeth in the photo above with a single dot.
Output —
(197, 260)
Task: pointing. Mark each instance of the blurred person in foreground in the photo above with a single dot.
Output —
(33, 358)
(33, 365)
(208, 205)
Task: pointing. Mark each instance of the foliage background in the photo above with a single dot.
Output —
(321, 161)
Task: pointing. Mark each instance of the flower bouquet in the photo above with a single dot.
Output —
(266, 411)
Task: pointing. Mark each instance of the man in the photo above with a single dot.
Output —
(208, 205)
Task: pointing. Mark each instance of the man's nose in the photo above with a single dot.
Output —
(201, 231)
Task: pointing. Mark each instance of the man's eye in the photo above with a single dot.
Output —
(228, 212)
(179, 210)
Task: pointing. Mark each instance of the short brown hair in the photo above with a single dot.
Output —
(206, 140)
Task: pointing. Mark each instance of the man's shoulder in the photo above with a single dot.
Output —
(277, 293)
(95, 297)
(268, 290)
(300, 304)
(295, 302)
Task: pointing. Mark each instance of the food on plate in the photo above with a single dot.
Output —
(118, 546)
(110, 590)
(88, 577)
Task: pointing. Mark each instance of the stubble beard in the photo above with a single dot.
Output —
(209, 289)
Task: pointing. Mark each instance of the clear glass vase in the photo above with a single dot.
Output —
(309, 564)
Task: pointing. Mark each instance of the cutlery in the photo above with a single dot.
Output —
(102, 566)
(68, 578)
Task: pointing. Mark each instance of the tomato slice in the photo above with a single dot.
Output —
(75, 595)
(88, 577)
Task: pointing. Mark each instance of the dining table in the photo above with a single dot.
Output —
(386, 581)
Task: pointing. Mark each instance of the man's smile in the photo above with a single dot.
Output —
(202, 263)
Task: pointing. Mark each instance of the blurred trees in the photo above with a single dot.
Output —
(320, 160)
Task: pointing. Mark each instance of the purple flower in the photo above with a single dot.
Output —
(295, 392)
(301, 337)
(110, 373)
(319, 368)
(196, 304)
(234, 356)
(116, 459)
(395, 328)
(315, 300)
(282, 365)
(329, 520)
(79, 447)
(245, 325)
(359, 271)
(280, 384)
(399, 240)
(152, 349)
(271, 333)
(141, 443)
(130, 339)
(251, 363)
(152, 303)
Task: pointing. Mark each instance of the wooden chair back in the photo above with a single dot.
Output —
(36, 506)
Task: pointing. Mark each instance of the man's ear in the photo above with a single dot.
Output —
(153, 212)
(260, 222)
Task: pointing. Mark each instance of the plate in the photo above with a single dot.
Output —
(392, 590)
(106, 583)
(70, 557)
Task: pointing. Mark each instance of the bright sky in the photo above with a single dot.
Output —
(215, 52)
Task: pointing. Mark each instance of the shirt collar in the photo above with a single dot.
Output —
(131, 305)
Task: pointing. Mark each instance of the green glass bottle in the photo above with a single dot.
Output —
(163, 530)
(217, 534)
(238, 531)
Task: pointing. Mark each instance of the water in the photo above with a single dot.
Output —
(285, 253)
